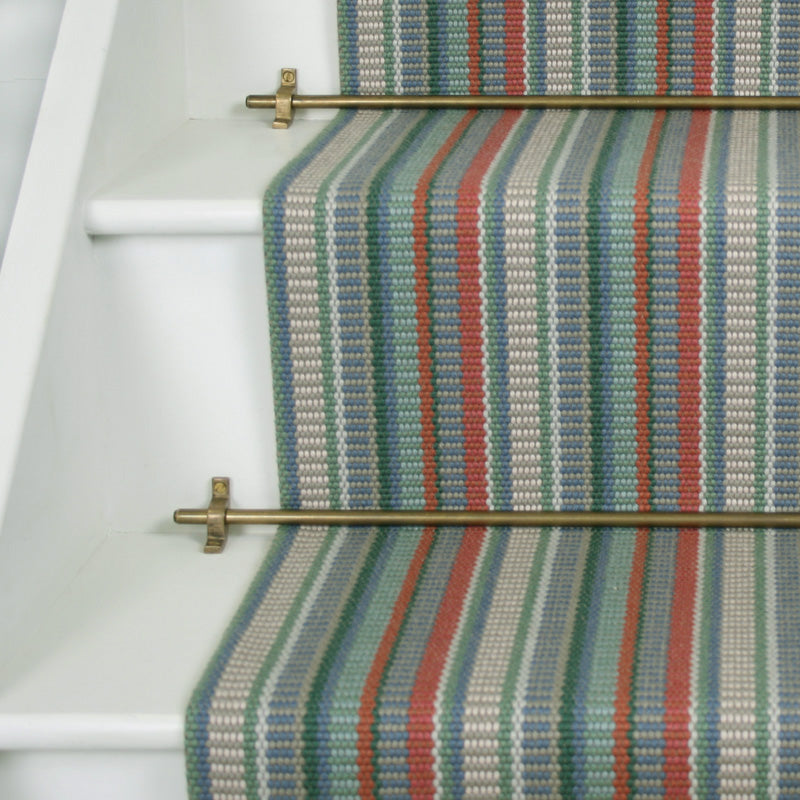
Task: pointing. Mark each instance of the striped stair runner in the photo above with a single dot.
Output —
(542, 309)
(720, 47)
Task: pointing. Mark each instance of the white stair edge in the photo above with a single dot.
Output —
(113, 664)
(208, 177)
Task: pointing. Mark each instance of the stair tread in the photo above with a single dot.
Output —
(113, 664)
(208, 177)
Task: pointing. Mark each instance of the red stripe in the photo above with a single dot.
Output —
(366, 711)
(423, 696)
(689, 312)
(471, 329)
(515, 46)
(677, 766)
(622, 704)
(474, 46)
(641, 306)
(662, 46)
(424, 347)
(703, 49)
(677, 694)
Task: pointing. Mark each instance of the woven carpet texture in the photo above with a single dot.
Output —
(544, 309)
(518, 310)
(721, 47)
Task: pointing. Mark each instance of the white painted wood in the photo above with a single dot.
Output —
(92, 775)
(188, 386)
(106, 101)
(114, 661)
(206, 178)
(238, 47)
(28, 31)
(136, 366)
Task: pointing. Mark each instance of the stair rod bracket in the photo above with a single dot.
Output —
(286, 100)
(218, 516)
(284, 108)
(216, 519)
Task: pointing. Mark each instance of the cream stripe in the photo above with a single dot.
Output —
(747, 48)
(741, 347)
(519, 218)
(558, 47)
(370, 41)
(484, 693)
(304, 328)
(737, 686)
(773, 698)
(772, 304)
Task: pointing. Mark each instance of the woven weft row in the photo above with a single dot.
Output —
(520, 310)
(721, 47)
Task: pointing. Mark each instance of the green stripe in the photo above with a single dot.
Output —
(623, 321)
(376, 289)
(577, 645)
(603, 678)
(346, 616)
(597, 367)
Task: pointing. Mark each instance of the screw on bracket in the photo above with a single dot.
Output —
(217, 533)
(284, 111)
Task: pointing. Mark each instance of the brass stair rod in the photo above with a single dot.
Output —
(522, 519)
(528, 101)
(286, 100)
(218, 516)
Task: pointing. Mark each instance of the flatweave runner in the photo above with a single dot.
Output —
(501, 663)
(720, 47)
(543, 309)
